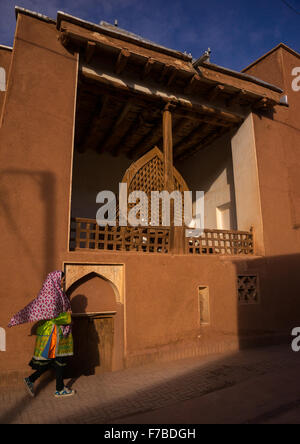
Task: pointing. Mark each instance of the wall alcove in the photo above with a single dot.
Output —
(97, 300)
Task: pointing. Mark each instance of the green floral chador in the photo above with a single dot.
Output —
(51, 342)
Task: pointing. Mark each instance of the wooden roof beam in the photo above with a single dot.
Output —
(165, 73)
(188, 103)
(189, 140)
(214, 92)
(122, 61)
(90, 51)
(171, 78)
(147, 68)
(203, 118)
(91, 139)
(138, 130)
(201, 144)
(148, 142)
(118, 130)
(234, 99)
(211, 73)
(262, 104)
(191, 84)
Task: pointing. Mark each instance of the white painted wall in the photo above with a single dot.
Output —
(2, 79)
(211, 171)
(2, 339)
(246, 181)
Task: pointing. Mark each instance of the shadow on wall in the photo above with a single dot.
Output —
(92, 298)
(17, 213)
(86, 341)
(274, 308)
(268, 299)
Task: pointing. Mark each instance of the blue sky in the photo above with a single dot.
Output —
(237, 31)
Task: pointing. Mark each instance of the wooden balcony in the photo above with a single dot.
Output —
(86, 234)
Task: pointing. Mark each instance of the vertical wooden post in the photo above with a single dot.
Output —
(177, 240)
(168, 148)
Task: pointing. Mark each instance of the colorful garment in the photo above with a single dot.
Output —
(51, 342)
(49, 304)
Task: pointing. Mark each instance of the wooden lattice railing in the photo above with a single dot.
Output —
(223, 242)
(86, 234)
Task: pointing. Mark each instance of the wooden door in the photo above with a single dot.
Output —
(93, 345)
(104, 328)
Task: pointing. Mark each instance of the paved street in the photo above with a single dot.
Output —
(254, 386)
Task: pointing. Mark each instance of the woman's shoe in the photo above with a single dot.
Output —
(29, 386)
(64, 393)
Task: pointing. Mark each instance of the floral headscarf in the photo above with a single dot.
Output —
(50, 302)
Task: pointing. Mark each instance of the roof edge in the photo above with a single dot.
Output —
(121, 36)
(37, 15)
(242, 76)
(6, 48)
(280, 45)
(94, 27)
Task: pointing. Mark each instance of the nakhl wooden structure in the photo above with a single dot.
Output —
(85, 107)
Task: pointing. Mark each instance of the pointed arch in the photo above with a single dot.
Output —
(113, 273)
(92, 275)
(147, 175)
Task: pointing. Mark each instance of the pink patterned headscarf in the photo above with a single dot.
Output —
(50, 302)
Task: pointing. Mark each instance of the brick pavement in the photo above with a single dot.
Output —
(117, 397)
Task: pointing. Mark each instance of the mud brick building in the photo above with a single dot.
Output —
(84, 107)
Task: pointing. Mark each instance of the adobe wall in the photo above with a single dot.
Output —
(36, 140)
(278, 157)
(161, 305)
(278, 309)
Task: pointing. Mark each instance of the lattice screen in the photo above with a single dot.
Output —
(248, 289)
(147, 174)
(89, 236)
(223, 242)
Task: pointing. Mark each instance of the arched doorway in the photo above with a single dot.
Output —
(97, 323)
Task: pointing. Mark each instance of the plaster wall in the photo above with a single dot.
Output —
(36, 139)
(211, 171)
(247, 188)
(278, 156)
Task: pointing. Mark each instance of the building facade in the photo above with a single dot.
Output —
(86, 107)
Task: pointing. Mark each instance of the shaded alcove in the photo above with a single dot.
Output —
(97, 326)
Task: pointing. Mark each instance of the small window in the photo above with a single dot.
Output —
(204, 310)
(2, 339)
(2, 79)
(248, 290)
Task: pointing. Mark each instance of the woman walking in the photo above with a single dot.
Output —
(54, 341)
